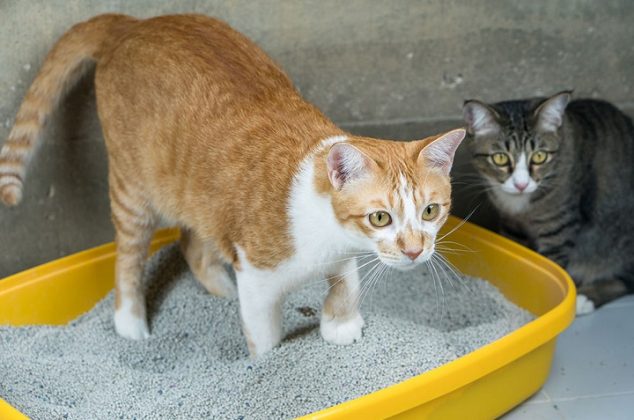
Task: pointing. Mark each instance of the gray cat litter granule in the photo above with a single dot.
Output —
(196, 364)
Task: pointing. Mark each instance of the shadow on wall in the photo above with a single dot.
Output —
(67, 204)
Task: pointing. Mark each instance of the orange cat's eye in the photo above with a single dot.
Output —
(431, 212)
(380, 219)
(500, 159)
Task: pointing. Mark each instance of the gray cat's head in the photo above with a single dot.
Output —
(514, 145)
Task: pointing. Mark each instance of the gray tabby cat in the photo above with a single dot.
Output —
(561, 176)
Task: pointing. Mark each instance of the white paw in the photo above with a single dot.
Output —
(262, 343)
(342, 332)
(584, 305)
(130, 326)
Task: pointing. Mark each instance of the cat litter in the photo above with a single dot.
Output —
(196, 365)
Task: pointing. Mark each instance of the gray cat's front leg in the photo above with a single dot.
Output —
(594, 287)
(515, 234)
(604, 291)
(557, 249)
(556, 239)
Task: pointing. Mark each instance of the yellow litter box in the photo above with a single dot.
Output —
(483, 384)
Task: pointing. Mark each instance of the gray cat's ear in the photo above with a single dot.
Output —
(346, 163)
(440, 152)
(480, 118)
(550, 114)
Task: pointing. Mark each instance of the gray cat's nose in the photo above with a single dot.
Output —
(520, 185)
(412, 253)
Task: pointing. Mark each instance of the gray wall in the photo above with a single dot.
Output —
(398, 69)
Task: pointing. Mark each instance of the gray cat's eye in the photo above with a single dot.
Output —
(500, 159)
(539, 157)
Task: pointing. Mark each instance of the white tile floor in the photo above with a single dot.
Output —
(593, 372)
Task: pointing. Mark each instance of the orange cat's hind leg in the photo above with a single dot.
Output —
(205, 262)
(134, 225)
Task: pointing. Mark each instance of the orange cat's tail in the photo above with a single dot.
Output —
(63, 66)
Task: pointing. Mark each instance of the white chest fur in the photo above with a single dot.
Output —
(321, 244)
(322, 248)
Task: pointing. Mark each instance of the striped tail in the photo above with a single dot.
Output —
(63, 66)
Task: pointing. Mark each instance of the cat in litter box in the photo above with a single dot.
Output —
(561, 175)
(204, 130)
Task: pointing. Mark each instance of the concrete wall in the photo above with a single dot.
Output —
(396, 69)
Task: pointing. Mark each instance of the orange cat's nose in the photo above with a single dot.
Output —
(412, 253)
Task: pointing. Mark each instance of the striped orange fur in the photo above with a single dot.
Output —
(204, 130)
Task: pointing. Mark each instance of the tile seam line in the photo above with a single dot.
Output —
(591, 396)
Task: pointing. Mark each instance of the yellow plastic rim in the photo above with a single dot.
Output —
(481, 384)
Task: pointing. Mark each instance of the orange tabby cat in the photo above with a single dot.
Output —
(204, 130)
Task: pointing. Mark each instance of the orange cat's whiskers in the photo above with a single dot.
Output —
(257, 177)
(340, 276)
(449, 251)
(377, 271)
(448, 270)
(437, 287)
(446, 245)
(357, 268)
(441, 270)
(380, 277)
(353, 257)
(388, 271)
(459, 225)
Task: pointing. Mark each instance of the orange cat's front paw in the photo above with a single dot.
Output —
(342, 332)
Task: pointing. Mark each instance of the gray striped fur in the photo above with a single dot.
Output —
(582, 213)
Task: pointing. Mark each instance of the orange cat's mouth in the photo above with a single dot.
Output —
(405, 264)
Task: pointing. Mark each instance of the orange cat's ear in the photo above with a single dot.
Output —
(440, 152)
(346, 163)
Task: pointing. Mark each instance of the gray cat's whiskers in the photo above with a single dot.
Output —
(478, 187)
(574, 158)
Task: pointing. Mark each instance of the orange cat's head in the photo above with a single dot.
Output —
(393, 197)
